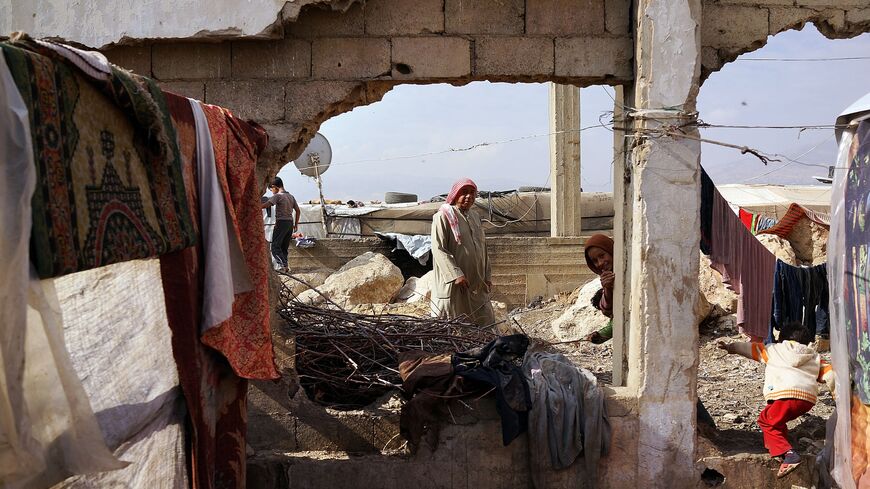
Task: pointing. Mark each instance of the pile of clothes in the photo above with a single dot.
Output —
(559, 405)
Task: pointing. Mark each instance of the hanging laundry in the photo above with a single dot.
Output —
(215, 392)
(746, 266)
(245, 338)
(109, 186)
(432, 380)
(756, 222)
(495, 366)
(800, 294)
(568, 418)
(48, 430)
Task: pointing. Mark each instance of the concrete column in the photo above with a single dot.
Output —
(564, 160)
(665, 181)
(622, 206)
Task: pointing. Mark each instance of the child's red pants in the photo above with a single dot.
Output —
(773, 419)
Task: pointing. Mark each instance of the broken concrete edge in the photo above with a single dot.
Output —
(287, 140)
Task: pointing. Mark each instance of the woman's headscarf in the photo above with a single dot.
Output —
(457, 187)
(449, 212)
(597, 241)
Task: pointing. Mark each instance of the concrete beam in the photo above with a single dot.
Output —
(564, 109)
(622, 205)
(665, 180)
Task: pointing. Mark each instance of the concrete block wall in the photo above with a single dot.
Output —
(329, 62)
(469, 455)
(326, 62)
(522, 267)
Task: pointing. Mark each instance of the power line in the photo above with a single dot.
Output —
(845, 58)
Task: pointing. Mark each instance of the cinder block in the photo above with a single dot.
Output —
(273, 59)
(133, 58)
(529, 56)
(258, 100)
(190, 89)
(304, 101)
(618, 470)
(316, 21)
(784, 18)
(756, 3)
(710, 59)
(484, 16)
(617, 17)
(431, 57)
(390, 18)
(189, 61)
(831, 3)
(731, 26)
(858, 16)
(350, 58)
(385, 435)
(595, 57)
(564, 17)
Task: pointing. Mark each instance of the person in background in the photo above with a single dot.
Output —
(599, 258)
(791, 376)
(463, 278)
(286, 221)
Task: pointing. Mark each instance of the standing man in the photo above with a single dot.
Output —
(463, 278)
(286, 221)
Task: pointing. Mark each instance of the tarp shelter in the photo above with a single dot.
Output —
(848, 457)
(774, 200)
(516, 213)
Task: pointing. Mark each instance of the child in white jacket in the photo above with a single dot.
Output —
(793, 370)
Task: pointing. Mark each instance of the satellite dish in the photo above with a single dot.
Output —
(315, 159)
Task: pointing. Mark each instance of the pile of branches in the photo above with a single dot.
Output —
(347, 360)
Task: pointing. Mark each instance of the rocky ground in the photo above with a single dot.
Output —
(730, 386)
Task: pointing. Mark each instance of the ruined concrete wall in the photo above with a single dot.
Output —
(327, 449)
(329, 62)
(97, 23)
(733, 27)
(522, 268)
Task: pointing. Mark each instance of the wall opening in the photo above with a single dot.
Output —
(780, 101)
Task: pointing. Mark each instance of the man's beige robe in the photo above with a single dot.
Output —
(452, 260)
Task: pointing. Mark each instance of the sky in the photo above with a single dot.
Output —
(389, 145)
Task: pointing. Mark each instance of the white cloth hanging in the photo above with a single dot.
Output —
(226, 272)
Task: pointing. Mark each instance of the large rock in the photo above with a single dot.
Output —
(313, 279)
(367, 279)
(820, 243)
(581, 318)
(417, 289)
(712, 289)
(801, 240)
(779, 247)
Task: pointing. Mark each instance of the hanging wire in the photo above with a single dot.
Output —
(800, 60)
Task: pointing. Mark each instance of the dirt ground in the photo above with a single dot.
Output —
(730, 386)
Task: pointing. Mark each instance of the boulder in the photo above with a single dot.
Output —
(713, 290)
(314, 279)
(779, 247)
(582, 317)
(820, 243)
(367, 279)
(801, 240)
(416, 289)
